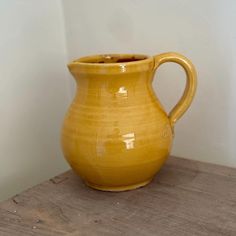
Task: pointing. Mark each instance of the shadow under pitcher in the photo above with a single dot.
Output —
(116, 134)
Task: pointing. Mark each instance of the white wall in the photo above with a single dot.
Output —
(202, 30)
(33, 92)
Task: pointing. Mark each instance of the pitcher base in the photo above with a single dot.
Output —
(118, 188)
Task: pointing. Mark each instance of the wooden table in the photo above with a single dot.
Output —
(186, 198)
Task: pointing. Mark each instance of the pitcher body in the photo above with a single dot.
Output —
(116, 135)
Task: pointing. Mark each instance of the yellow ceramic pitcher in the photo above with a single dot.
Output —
(116, 135)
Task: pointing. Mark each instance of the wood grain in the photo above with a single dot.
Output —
(186, 198)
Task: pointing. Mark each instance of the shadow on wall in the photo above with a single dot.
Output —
(31, 134)
(208, 132)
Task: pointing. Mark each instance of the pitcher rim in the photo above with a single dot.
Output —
(112, 63)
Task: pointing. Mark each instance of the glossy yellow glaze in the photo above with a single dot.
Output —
(116, 135)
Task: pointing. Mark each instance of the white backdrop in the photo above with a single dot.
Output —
(39, 37)
(33, 93)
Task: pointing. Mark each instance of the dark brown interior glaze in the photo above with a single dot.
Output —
(114, 59)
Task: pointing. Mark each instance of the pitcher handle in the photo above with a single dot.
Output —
(191, 83)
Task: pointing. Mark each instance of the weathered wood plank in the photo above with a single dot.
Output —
(186, 198)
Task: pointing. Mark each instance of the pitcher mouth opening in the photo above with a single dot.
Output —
(112, 58)
(111, 63)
